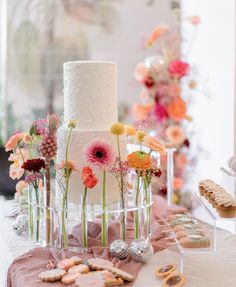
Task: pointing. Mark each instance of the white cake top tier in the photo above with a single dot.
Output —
(90, 94)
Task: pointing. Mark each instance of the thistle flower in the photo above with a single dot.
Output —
(117, 129)
(99, 152)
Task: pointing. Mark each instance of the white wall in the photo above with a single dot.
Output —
(213, 52)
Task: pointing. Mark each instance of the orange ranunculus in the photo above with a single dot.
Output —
(139, 160)
(177, 109)
(141, 111)
(13, 141)
(178, 183)
(175, 135)
(88, 177)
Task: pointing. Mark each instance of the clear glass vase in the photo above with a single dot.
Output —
(147, 195)
(84, 221)
(104, 221)
(30, 212)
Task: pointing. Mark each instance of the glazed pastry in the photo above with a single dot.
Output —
(81, 268)
(174, 280)
(184, 233)
(66, 264)
(99, 264)
(110, 279)
(92, 279)
(195, 241)
(69, 279)
(121, 274)
(166, 270)
(184, 227)
(52, 275)
(178, 215)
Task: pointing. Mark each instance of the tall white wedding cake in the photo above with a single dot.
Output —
(90, 98)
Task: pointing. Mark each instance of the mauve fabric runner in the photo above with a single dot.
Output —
(24, 270)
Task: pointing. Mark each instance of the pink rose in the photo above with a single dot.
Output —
(13, 141)
(178, 68)
(160, 112)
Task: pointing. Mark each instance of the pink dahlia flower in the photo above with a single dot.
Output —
(160, 112)
(99, 152)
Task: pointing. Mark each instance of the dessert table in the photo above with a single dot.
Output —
(216, 269)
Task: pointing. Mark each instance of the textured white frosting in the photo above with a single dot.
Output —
(79, 142)
(90, 94)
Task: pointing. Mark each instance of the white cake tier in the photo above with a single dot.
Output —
(90, 94)
(79, 141)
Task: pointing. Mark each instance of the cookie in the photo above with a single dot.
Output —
(81, 268)
(99, 264)
(174, 280)
(195, 241)
(110, 279)
(166, 270)
(122, 274)
(52, 275)
(69, 279)
(92, 279)
(66, 264)
(77, 260)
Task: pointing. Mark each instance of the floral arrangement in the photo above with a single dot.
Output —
(168, 81)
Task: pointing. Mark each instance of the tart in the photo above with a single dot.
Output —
(165, 271)
(174, 280)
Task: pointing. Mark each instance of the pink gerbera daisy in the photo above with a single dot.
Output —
(99, 152)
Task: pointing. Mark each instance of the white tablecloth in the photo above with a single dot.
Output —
(201, 270)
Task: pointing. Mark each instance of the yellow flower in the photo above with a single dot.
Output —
(72, 124)
(154, 144)
(130, 130)
(118, 129)
(140, 136)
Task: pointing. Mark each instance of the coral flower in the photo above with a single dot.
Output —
(174, 90)
(140, 72)
(160, 112)
(178, 68)
(70, 165)
(118, 129)
(181, 160)
(194, 20)
(139, 160)
(13, 141)
(178, 183)
(16, 171)
(177, 109)
(99, 152)
(88, 177)
(156, 34)
(175, 135)
(154, 144)
(141, 111)
(21, 186)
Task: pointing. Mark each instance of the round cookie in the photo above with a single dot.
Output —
(81, 268)
(90, 280)
(66, 264)
(69, 279)
(165, 270)
(99, 264)
(52, 275)
(121, 274)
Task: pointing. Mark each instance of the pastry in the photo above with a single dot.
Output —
(186, 227)
(93, 279)
(69, 279)
(81, 268)
(110, 279)
(122, 274)
(184, 233)
(99, 264)
(174, 280)
(195, 241)
(165, 270)
(52, 275)
(77, 260)
(66, 264)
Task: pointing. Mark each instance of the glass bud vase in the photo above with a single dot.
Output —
(104, 221)
(147, 194)
(84, 222)
(30, 212)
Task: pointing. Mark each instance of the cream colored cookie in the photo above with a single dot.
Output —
(195, 241)
(99, 264)
(92, 279)
(52, 275)
(110, 279)
(77, 260)
(81, 268)
(122, 274)
(66, 264)
(69, 279)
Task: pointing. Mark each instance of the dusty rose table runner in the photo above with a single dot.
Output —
(25, 269)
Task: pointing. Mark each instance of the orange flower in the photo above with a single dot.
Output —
(13, 141)
(16, 171)
(154, 144)
(139, 160)
(175, 135)
(88, 177)
(21, 185)
(141, 111)
(174, 90)
(181, 160)
(156, 34)
(70, 165)
(177, 109)
(178, 183)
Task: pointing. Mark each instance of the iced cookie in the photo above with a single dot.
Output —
(122, 274)
(110, 279)
(166, 270)
(174, 280)
(92, 279)
(195, 241)
(52, 275)
(184, 233)
(81, 268)
(69, 279)
(99, 264)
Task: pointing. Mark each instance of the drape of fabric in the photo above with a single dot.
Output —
(24, 270)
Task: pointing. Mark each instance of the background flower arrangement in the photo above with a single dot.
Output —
(168, 86)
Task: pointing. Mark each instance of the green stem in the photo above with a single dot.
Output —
(148, 208)
(104, 223)
(37, 213)
(136, 215)
(30, 214)
(84, 220)
(123, 221)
